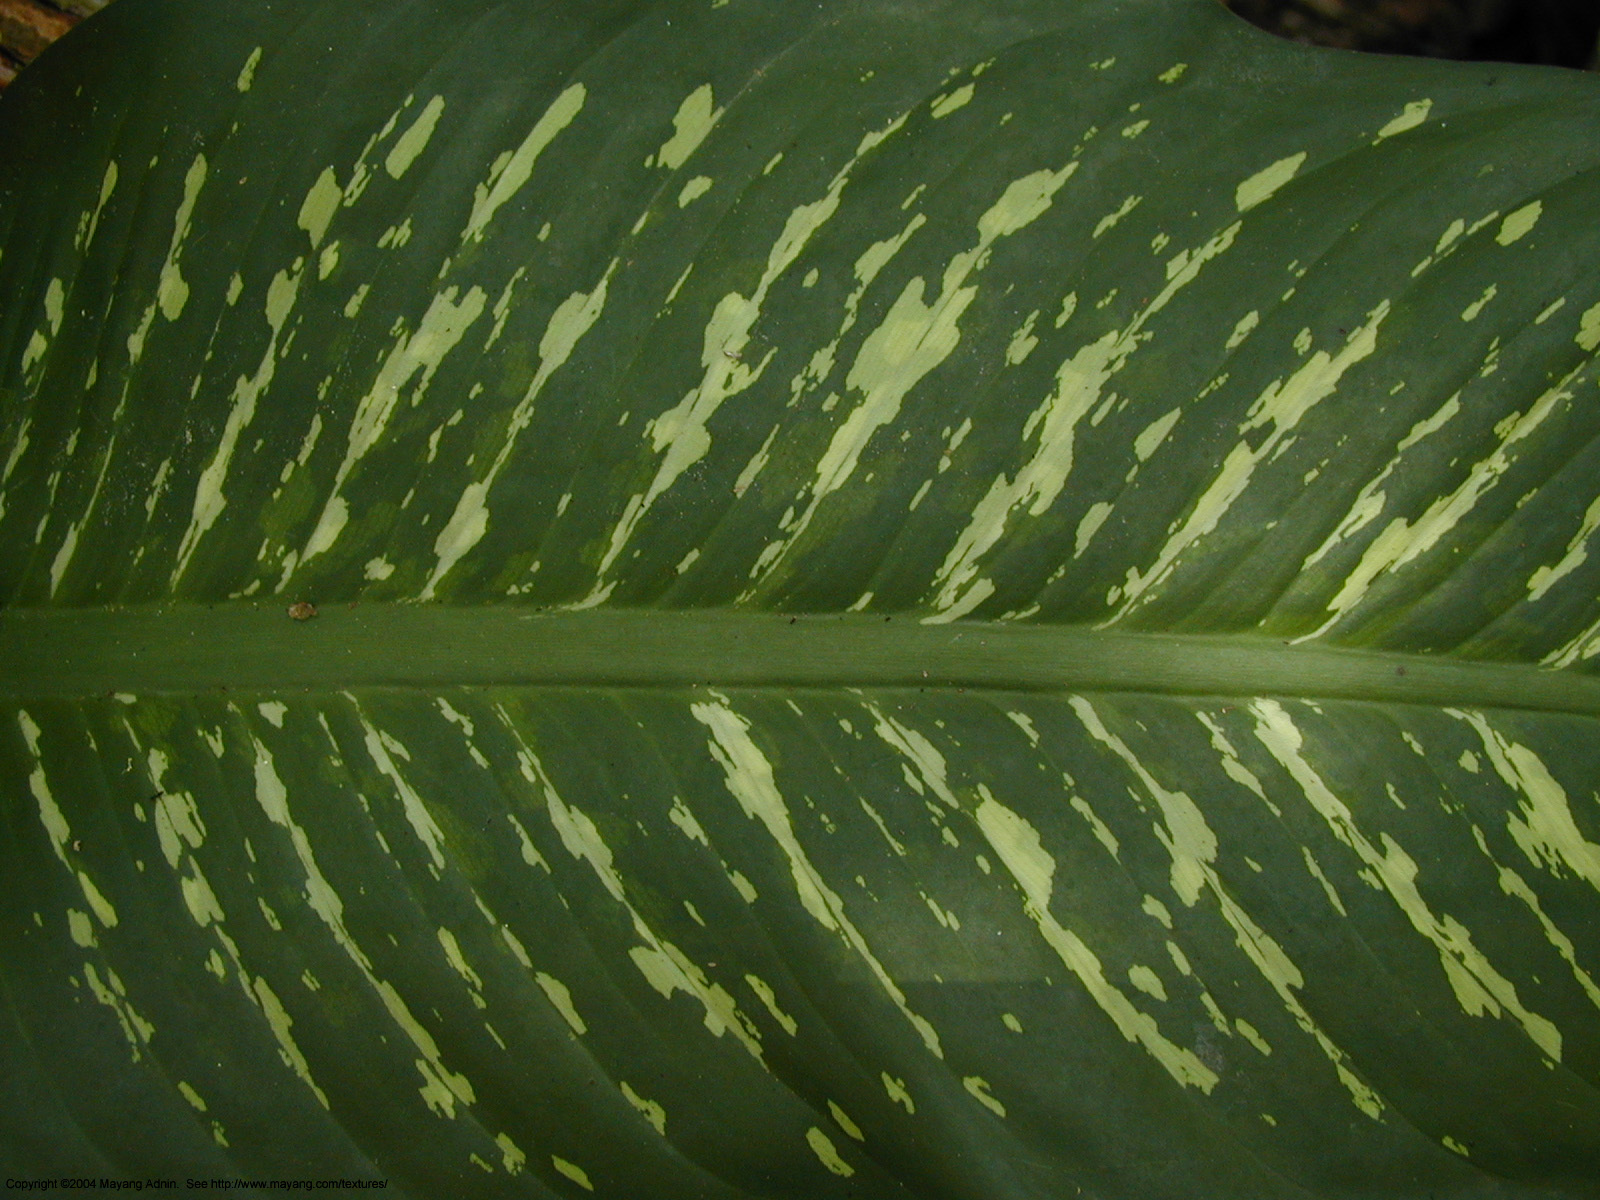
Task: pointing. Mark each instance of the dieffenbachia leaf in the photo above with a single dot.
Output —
(955, 599)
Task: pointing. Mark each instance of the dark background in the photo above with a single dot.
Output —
(1558, 32)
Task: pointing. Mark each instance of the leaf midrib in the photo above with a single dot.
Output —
(257, 647)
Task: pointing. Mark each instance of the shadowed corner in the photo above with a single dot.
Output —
(28, 27)
(1558, 33)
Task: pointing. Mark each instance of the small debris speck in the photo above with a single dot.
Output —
(302, 611)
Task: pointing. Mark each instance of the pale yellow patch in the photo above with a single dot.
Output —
(749, 777)
(827, 1153)
(561, 1000)
(1519, 223)
(1412, 115)
(946, 104)
(1110, 220)
(514, 169)
(690, 125)
(978, 1088)
(1147, 981)
(572, 1171)
(769, 999)
(842, 1119)
(1265, 182)
(651, 1111)
(897, 1092)
(693, 190)
(511, 1156)
(414, 140)
(1478, 986)
(1033, 869)
(247, 73)
(1470, 313)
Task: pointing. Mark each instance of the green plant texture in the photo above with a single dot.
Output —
(958, 600)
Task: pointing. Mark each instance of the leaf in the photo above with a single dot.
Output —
(942, 600)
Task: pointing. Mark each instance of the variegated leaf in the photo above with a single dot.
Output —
(959, 599)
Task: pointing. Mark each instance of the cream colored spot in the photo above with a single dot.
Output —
(1412, 115)
(572, 1171)
(1403, 541)
(1282, 405)
(648, 1109)
(1101, 832)
(944, 105)
(915, 337)
(1147, 981)
(561, 999)
(1544, 826)
(1080, 384)
(1546, 577)
(822, 1146)
(665, 967)
(209, 499)
(749, 778)
(247, 73)
(511, 171)
(280, 1022)
(113, 995)
(1094, 517)
(318, 207)
(1022, 341)
(80, 929)
(571, 320)
(414, 140)
(1260, 186)
(693, 190)
(1470, 313)
(1242, 330)
(1154, 908)
(978, 1088)
(1033, 868)
(1193, 846)
(1589, 329)
(769, 999)
(1250, 1034)
(1069, 305)
(441, 1088)
(690, 125)
(440, 330)
(1478, 987)
(1153, 434)
(511, 1156)
(1517, 224)
(1369, 503)
(1108, 221)
(91, 221)
(897, 1091)
(842, 1119)
(1327, 885)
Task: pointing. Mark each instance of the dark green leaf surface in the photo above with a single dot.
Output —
(946, 600)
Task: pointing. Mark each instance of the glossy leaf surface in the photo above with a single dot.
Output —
(944, 600)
